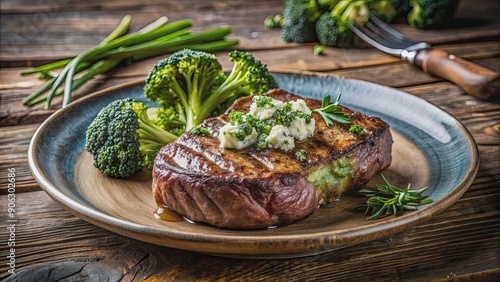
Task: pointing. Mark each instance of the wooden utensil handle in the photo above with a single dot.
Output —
(476, 80)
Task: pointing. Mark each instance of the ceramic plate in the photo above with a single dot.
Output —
(431, 148)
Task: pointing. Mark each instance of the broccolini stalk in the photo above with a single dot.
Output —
(135, 38)
(121, 29)
(168, 42)
(183, 80)
(97, 68)
(192, 83)
(154, 39)
(332, 28)
(43, 70)
(248, 76)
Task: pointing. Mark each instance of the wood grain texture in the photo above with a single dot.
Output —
(24, 35)
(464, 238)
(359, 64)
(459, 244)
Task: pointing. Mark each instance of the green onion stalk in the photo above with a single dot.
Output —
(120, 47)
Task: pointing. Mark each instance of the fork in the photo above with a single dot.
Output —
(474, 79)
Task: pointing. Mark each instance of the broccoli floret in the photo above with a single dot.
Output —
(333, 27)
(300, 21)
(431, 13)
(248, 76)
(402, 6)
(192, 84)
(183, 81)
(123, 139)
(168, 119)
(332, 33)
(384, 10)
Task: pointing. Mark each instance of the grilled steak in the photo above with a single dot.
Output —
(251, 188)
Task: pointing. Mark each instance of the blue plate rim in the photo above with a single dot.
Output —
(321, 242)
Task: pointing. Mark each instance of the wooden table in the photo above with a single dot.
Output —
(460, 244)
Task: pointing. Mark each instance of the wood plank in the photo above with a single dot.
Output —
(365, 64)
(468, 230)
(27, 40)
(49, 39)
(34, 6)
(459, 244)
(14, 144)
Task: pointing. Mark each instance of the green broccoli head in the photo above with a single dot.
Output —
(118, 160)
(157, 86)
(191, 86)
(255, 77)
(430, 14)
(182, 81)
(300, 19)
(248, 76)
(332, 28)
(331, 32)
(123, 139)
(169, 120)
(384, 10)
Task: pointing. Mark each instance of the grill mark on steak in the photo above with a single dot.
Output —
(208, 150)
(250, 188)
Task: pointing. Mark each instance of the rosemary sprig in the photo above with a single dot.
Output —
(330, 113)
(388, 199)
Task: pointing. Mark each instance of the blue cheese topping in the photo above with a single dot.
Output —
(229, 137)
(269, 123)
(280, 137)
(264, 110)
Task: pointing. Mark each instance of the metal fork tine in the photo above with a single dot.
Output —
(385, 31)
(385, 38)
(382, 25)
(376, 35)
(374, 39)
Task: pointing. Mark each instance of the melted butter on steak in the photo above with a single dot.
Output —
(251, 188)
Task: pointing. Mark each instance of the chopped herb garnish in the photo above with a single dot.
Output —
(356, 129)
(388, 199)
(199, 130)
(302, 115)
(261, 141)
(244, 130)
(263, 101)
(301, 155)
(236, 117)
(330, 113)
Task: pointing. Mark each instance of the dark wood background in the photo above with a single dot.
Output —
(460, 244)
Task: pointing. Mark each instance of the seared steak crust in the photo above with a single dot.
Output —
(247, 189)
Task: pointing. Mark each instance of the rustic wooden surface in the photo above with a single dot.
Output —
(460, 244)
